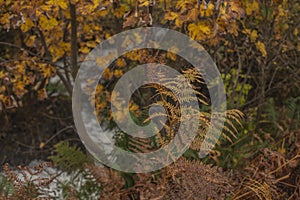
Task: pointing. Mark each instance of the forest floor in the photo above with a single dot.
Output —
(30, 132)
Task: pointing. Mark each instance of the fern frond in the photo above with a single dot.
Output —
(193, 75)
(173, 96)
(253, 189)
(195, 179)
(235, 115)
(69, 158)
(26, 183)
(109, 180)
(140, 145)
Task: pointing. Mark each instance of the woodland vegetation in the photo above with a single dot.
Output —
(255, 45)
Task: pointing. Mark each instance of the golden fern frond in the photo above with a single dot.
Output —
(140, 145)
(193, 75)
(171, 108)
(235, 115)
(229, 128)
(166, 93)
(253, 189)
(175, 93)
(155, 115)
(185, 87)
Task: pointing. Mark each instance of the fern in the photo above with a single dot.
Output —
(111, 182)
(82, 183)
(6, 187)
(287, 117)
(69, 158)
(181, 180)
(257, 189)
(270, 110)
(175, 95)
(190, 179)
(25, 183)
(293, 111)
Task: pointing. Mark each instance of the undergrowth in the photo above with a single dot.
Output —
(246, 163)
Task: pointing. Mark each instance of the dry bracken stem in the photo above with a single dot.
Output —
(297, 156)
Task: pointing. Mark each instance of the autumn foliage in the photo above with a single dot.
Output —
(255, 45)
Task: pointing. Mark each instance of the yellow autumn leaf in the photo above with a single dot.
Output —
(121, 62)
(2, 75)
(42, 94)
(182, 4)
(193, 14)
(171, 16)
(29, 41)
(296, 32)
(118, 73)
(261, 47)
(199, 31)
(91, 44)
(179, 22)
(20, 69)
(84, 50)
(104, 12)
(103, 61)
(281, 12)
(27, 25)
(246, 31)
(171, 55)
(173, 49)
(133, 55)
(253, 35)
(107, 74)
(46, 70)
(56, 52)
(65, 46)
(99, 88)
(75, 1)
(210, 10)
(101, 105)
(4, 19)
(144, 3)
(60, 3)
(107, 35)
(119, 12)
(233, 29)
(138, 38)
(29, 79)
(252, 7)
(47, 24)
(133, 107)
(119, 116)
(19, 89)
(42, 144)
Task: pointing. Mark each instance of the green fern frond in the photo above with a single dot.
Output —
(293, 109)
(69, 158)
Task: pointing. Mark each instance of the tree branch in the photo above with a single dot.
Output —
(74, 64)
